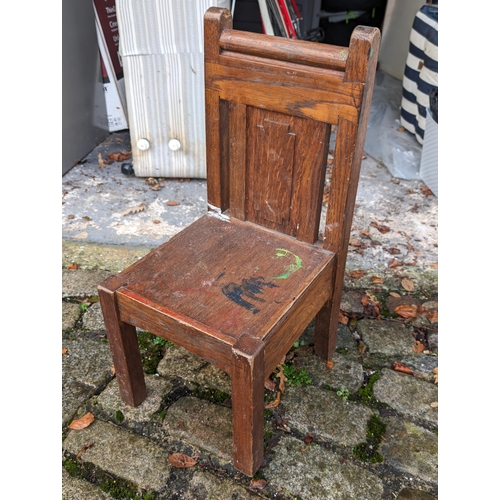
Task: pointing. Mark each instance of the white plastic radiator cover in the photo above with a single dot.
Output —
(161, 46)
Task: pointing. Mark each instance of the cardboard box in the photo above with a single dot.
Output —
(112, 69)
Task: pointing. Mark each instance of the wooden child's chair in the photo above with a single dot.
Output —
(241, 284)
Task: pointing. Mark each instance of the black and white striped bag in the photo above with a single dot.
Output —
(421, 71)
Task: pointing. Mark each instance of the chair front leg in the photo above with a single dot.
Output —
(124, 347)
(248, 404)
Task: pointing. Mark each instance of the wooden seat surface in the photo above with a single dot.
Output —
(231, 276)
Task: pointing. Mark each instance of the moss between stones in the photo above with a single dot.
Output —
(365, 394)
(114, 486)
(119, 416)
(151, 351)
(368, 451)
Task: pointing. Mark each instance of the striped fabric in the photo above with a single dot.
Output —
(161, 46)
(421, 71)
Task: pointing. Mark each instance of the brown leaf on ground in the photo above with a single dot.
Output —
(101, 162)
(329, 363)
(365, 232)
(71, 216)
(394, 294)
(135, 210)
(394, 263)
(64, 350)
(432, 316)
(435, 371)
(257, 484)
(400, 367)
(401, 129)
(82, 451)
(407, 284)
(434, 265)
(361, 347)
(343, 318)
(119, 156)
(81, 423)
(275, 403)
(269, 384)
(156, 221)
(356, 274)
(73, 266)
(426, 191)
(434, 404)
(172, 203)
(407, 311)
(181, 461)
(393, 250)
(371, 306)
(283, 379)
(377, 279)
(355, 243)
(113, 371)
(380, 227)
(308, 440)
(418, 347)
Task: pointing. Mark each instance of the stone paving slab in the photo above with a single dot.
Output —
(418, 456)
(326, 415)
(202, 424)
(408, 395)
(204, 485)
(80, 283)
(70, 315)
(79, 489)
(122, 453)
(317, 473)
(388, 338)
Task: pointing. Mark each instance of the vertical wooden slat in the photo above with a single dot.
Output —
(247, 379)
(237, 158)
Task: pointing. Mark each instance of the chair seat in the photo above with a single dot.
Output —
(221, 278)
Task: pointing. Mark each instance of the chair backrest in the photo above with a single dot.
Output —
(271, 103)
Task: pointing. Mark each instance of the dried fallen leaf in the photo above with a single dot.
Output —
(355, 243)
(282, 377)
(343, 319)
(113, 371)
(401, 129)
(434, 404)
(371, 306)
(71, 216)
(101, 162)
(181, 461)
(377, 279)
(258, 484)
(426, 191)
(64, 350)
(434, 265)
(407, 284)
(81, 423)
(432, 316)
(269, 384)
(400, 367)
(381, 228)
(435, 371)
(151, 181)
(356, 274)
(407, 311)
(119, 156)
(393, 250)
(329, 363)
(275, 403)
(172, 203)
(394, 263)
(156, 221)
(134, 210)
(361, 347)
(73, 266)
(418, 347)
(82, 451)
(394, 294)
(308, 440)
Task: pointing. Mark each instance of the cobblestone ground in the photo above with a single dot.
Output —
(362, 426)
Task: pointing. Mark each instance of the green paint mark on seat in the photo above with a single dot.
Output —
(291, 268)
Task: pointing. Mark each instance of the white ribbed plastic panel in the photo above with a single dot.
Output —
(161, 45)
(429, 160)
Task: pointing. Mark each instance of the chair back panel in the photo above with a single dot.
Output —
(270, 106)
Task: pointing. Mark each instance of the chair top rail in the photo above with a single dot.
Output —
(279, 48)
